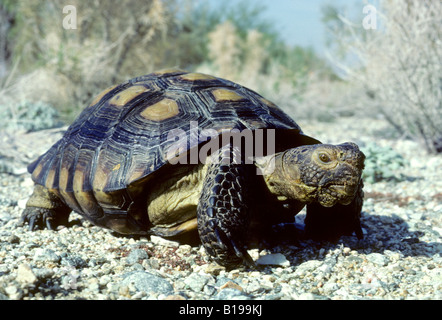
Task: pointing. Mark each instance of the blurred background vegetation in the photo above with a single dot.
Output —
(365, 74)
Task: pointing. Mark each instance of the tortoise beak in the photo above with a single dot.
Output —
(352, 155)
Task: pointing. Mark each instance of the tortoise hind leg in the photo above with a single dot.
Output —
(222, 212)
(44, 209)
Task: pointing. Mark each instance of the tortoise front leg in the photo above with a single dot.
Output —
(44, 209)
(223, 214)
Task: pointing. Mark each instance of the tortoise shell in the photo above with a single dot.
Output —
(111, 150)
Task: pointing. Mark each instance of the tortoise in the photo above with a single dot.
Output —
(173, 153)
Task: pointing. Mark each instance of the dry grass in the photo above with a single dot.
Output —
(115, 41)
(112, 42)
(403, 67)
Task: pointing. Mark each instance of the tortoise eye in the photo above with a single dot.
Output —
(324, 157)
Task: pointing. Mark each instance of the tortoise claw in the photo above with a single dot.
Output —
(34, 217)
(33, 223)
(40, 218)
(50, 224)
(222, 251)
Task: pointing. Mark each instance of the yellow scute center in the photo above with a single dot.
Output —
(122, 98)
(164, 109)
(226, 95)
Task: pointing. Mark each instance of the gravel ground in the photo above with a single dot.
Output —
(399, 258)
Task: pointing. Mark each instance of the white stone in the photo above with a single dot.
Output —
(25, 274)
(163, 242)
(276, 259)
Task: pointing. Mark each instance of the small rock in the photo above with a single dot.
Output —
(147, 282)
(254, 253)
(154, 263)
(163, 242)
(254, 286)
(136, 255)
(22, 203)
(307, 296)
(231, 285)
(377, 258)
(330, 287)
(45, 255)
(72, 260)
(184, 249)
(355, 259)
(25, 274)
(275, 259)
(14, 292)
(308, 267)
(230, 294)
(196, 282)
(43, 274)
(13, 239)
(93, 285)
(214, 269)
(104, 280)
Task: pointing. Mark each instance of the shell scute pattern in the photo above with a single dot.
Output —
(122, 136)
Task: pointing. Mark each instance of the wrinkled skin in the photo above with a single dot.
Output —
(328, 174)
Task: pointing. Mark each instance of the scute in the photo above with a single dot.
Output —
(124, 135)
(123, 97)
(162, 110)
(221, 95)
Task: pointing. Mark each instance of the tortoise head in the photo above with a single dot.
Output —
(328, 174)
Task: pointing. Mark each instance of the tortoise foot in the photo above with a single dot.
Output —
(40, 218)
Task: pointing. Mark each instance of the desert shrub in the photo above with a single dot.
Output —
(402, 67)
(382, 164)
(111, 42)
(115, 41)
(29, 116)
(195, 19)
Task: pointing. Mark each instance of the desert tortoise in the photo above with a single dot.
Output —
(150, 156)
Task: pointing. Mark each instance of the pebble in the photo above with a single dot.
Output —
(231, 285)
(276, 259)
(13, 239)
(136, 255)
(14, 292)
(25, 274)
(399, 257)
(231, 294)
(196, 282)
(163, 242)
(45, 255)
(147, 282)
(306, 296)
(377, 258)
(71, 260)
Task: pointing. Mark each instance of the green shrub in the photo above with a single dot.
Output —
(382, 163)
(29, 116)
